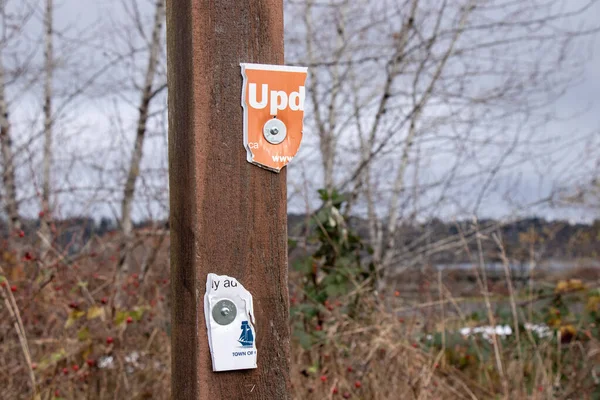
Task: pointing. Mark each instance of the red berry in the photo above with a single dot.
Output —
(66, 371)
(318, 328)
(401, 320)
(323, 378)
(90, 362)
(56, 393)
(129, 320)
(109, 340)
(396, 293)
(75, 368)
(104, 300)
(34, 366)
(357, 384)
(165, 281)
(415, 345)
(28, 256)
(41, 214)
(21, 234)
(3, 283)
(330, 307)
(73, 304)
(350, 369)
(13, 288)
(346, 395)
(334, 390)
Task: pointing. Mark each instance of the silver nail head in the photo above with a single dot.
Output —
(224, 312)
(274, 131)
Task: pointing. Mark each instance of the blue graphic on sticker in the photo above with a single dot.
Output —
(246, 338)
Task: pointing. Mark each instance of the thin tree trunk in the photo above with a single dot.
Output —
(11, 206)
(375, 231)
(326, 133)
(392, 223)
(45, 217)
(136, 155)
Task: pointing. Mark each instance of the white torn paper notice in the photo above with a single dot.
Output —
(230, 324)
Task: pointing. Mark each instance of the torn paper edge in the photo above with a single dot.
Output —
(249, 304)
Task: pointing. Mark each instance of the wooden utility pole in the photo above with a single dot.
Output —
(227, 215)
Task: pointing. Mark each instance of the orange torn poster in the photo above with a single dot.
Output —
(273, 102)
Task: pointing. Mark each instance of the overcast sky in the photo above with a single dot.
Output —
(580, 106)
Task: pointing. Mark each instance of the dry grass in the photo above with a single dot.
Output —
(392, 358)
(397, 346)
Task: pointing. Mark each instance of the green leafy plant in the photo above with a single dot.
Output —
(333, 272)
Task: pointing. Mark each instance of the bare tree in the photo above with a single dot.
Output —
(419, 107)
(148, 92)
(12, 27)
(11, 204)
(48, 120)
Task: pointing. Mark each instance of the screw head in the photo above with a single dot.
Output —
(274, 131)
(224, 312)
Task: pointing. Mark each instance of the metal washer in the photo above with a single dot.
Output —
(224, 312)
(274, 131)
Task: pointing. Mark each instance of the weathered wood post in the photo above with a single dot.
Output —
(227, 215)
